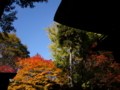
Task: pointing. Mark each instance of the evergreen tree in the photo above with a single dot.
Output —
(63, 38)
(69, 37)
(59, 54)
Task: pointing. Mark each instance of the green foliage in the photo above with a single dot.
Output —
(7, 19)
(11, 48)
(79, 39)
(63, 38)
(82, 41)
(57, 53)
(68, 36)
(28, 3)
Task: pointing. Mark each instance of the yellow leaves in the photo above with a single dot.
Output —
(37, 70)
(33, 89)
(22, 87)
(57, 71)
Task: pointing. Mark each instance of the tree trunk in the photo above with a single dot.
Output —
(71, 67)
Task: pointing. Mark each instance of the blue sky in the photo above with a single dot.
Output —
(30, 26)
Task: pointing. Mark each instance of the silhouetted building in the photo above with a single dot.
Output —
(94, 16)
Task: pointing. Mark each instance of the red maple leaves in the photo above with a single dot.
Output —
(106, 72)
(7, 69)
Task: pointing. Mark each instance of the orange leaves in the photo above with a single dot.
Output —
(36, 61)
(37, 70)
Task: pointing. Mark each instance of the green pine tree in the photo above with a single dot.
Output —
(69, 46)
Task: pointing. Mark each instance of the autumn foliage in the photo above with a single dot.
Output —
(105, 72)
(36, 72)
(6, 69)
(97, 72)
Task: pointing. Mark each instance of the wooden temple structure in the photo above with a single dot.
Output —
(98, 16)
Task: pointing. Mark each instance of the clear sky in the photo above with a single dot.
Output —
(30, 26)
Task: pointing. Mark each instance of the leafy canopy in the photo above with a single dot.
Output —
(36, 72)
(11, 48)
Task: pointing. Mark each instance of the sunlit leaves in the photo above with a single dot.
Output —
(11, 48)
(36, 70)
